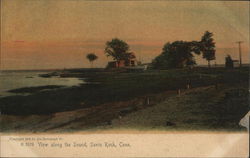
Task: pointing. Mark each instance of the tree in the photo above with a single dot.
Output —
(118, 50)
(207, 47)
(177, 55)
(91, 57)
(229, 62)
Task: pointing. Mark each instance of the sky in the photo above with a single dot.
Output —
(48, 34)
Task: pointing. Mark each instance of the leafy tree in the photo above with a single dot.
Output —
(177, 55)
(207, 47)
(91, 57)
(118, 50)
(229, 62)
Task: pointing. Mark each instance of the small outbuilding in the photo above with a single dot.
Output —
(236, 63)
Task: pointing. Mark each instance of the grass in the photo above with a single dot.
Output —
(200, 109)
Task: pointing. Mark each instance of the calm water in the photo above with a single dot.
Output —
(19, 79)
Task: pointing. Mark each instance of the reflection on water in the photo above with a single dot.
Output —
(13, 80)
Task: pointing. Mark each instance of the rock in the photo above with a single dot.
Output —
(127, 110)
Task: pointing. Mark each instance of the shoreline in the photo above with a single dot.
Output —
(120, 94)
(105, 117)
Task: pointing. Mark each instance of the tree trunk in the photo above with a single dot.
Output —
(91, 64)
(209, 63)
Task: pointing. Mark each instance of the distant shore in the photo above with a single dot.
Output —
(102, 68)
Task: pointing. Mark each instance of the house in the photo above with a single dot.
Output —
(123, 63)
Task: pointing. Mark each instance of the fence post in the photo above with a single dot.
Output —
(148, 101)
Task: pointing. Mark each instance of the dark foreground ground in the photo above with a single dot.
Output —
(216, 100)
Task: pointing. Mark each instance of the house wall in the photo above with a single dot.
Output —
(121, 63)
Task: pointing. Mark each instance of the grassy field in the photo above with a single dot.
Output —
(193, 110)
(204, 108)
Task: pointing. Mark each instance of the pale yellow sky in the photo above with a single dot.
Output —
(39, 34)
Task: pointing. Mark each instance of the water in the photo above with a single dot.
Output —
(19, 79)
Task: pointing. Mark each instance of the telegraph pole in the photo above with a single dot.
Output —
(0, 34)
(239, 42)
(1, 55)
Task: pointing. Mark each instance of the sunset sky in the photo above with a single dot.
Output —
(44, 34)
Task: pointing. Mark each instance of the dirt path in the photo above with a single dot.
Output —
(80, 119)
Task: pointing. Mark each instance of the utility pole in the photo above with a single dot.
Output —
(0, 35)
(239, 42)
